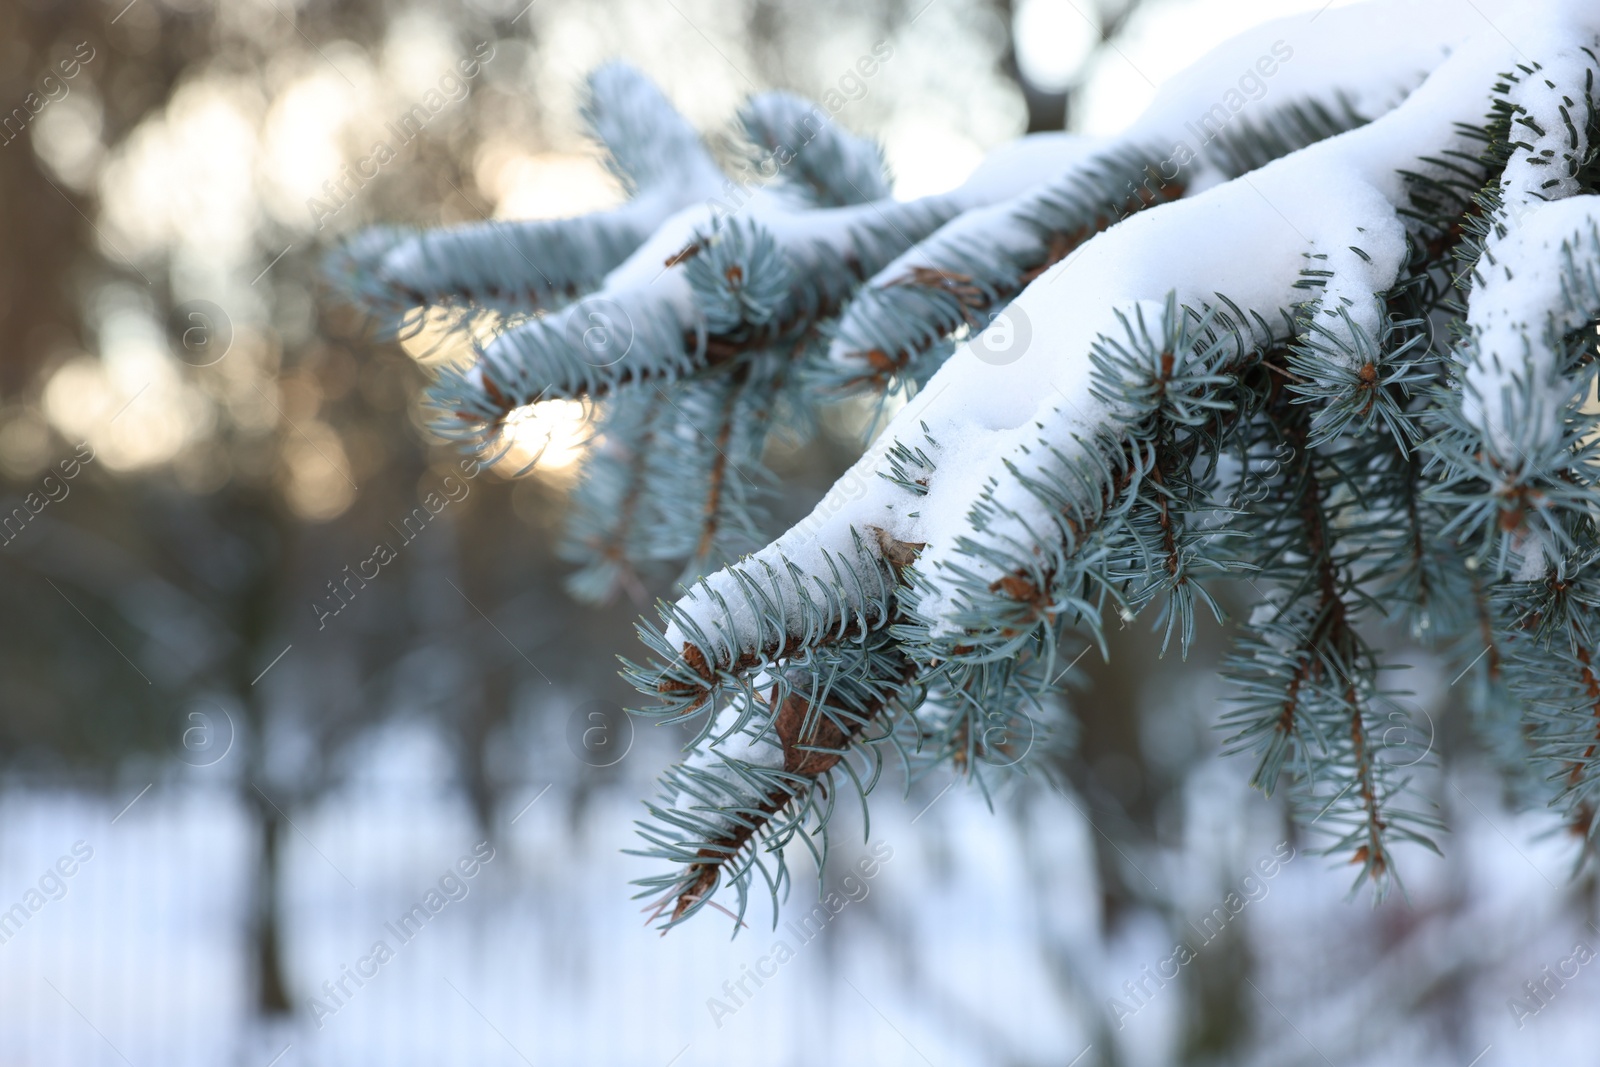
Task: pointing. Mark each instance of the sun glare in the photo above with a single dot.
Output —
(550, 436)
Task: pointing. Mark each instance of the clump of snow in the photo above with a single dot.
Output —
(1288, 60)
(1520, 305)
(1517, 297)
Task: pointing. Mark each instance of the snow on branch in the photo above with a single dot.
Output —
(658, 317)
(515, 266)
(1246, 239)
(1270, 91)
(1535, 282)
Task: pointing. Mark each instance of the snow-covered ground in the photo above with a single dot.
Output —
(976, 941)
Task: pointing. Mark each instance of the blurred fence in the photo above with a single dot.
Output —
(954, 936)
(142, 956)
